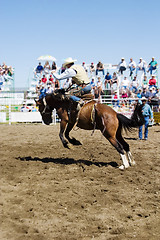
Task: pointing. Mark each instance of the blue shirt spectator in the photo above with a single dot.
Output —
(39, 68)
(146, 110)
(147, 113)
(145, 93)
(108, 79)
(92, 83)
(42, 93)
(139, 94)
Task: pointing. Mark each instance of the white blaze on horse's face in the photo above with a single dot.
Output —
(45, 112)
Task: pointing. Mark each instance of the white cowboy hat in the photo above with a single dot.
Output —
(68, 61)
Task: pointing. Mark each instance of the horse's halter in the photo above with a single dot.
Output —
(46, 107)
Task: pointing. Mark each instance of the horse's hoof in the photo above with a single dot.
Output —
(69, 146)
(122, 167)
(133, 163)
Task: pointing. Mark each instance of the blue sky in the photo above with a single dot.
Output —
(88, 30)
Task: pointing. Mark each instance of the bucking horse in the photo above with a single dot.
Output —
(91, 116)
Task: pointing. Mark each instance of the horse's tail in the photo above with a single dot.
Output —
(136, 119)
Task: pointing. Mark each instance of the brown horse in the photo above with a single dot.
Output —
(91, 116)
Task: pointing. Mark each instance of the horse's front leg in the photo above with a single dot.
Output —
(61, 133)
(71, 140)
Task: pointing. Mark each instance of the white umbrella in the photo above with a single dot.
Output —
(46, 58)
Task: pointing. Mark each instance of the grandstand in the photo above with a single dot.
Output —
(11, 99)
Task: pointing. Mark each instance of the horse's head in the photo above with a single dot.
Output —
(45, 110)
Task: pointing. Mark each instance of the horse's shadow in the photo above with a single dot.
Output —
(68, 161)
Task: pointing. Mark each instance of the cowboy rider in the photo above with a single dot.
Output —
(78, 75)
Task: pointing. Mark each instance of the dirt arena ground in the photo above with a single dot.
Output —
(52, 193)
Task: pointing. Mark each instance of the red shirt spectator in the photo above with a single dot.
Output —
(51, 79)
(124, 94)
(152, 81)
(115, 96)
(44, 79)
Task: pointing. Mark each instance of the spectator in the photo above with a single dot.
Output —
(51, 79)
(122, 66)
(152, 82)
(99, 68)
(4, 66)
(84, 66)
(124, 94)
(96, 94)
(115, 100)
(38, 87)
(62, 69)
(42, 92)
(145, 93)
(151, 93)
(57, 84)
(99, 86)
(108, 81)
(10, 71)
(139, 94)
(92, 68)
(154, 90)
(134, 84)
(141, 66)
(152, 65)
(132, 66)
(44, 79)
(132, 94)
(157, 93)
(125, 83)
(49, 89)
(1, 78)
(67, 83)
(93, 85)
(24, 108)
(147, 113)
(34, 108)
(1, 70)
(39, 68)
(47, 67)
(114, 81)
(145, 82)
(5, 75)
(54, 67)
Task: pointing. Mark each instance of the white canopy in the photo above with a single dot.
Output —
(46, 58)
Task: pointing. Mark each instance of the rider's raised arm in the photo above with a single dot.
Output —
(68, 73)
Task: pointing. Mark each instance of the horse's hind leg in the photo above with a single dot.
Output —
(71, 140)
(119, 148)
(126, 148)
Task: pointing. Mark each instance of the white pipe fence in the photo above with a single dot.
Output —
(13, 113)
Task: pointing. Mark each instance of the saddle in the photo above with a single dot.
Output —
(78, 92)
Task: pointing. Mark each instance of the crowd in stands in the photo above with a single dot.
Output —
(6, 76)
(31, 108)
(125, 82)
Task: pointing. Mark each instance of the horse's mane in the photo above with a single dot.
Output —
(59, 95)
